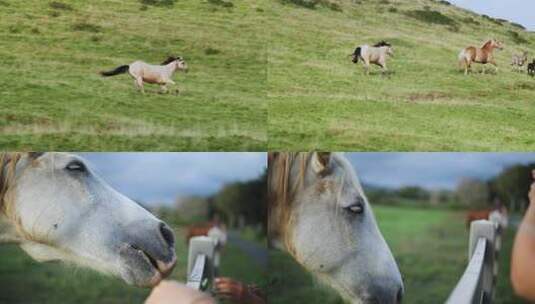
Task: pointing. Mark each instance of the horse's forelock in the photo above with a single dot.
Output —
(282, 188)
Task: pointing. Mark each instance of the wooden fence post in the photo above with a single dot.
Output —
(487, 230)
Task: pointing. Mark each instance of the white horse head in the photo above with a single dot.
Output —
(318, 210)
(179, 64)
(59, 209)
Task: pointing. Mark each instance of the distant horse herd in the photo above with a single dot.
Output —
(379, 53)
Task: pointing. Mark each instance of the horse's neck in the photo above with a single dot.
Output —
(8, 233)
(170, 68)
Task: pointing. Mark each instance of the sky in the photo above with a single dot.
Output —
(160, 178)
(431, 170)
(519, 11)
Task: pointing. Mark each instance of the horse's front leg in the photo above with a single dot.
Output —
(493, 62)
(163, 88)
(139, 84)
(169, 81)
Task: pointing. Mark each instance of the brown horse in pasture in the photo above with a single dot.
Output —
(499, 211)
(481, 55)
(199, 230)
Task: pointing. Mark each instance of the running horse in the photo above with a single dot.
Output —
(483, 55)
(57, 209)
(158, 74)
(319, 214)
(376, 54)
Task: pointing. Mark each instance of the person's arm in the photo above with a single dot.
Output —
(172, 292)
(523, 257)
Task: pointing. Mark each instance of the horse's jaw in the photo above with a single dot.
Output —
(41, 252)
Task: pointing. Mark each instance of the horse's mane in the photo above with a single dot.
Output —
(382, 43)
(8, 163)
(487, 43)
(282, 189)
(171, 59)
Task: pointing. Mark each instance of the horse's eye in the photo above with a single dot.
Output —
(76, 166)
(355, 208)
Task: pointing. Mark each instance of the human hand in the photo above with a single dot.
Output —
(172, 292)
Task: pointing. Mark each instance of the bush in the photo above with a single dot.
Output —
(517, 38)
(60, 6)
(470, 20)
(311, 4)
(158, 2)
(211, 51)
(520, 26)
(221, 3)
(430, 16)
(86, 27)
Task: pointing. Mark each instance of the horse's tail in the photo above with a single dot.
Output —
(119, 70)
(357, 54)
(462, 59)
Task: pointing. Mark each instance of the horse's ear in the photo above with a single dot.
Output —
(321, 161)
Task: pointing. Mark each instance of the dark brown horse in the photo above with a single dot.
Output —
(481, 55)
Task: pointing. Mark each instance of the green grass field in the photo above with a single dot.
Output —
(430, 247)
(26, 281)
(52, 97)
(318, 99)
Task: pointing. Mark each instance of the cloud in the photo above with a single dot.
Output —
(162, 177)
(431, 170)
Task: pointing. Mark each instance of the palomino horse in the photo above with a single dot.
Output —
(376, 54)
(57, 209)
(144, 72)
(319, 213)
(483, 55)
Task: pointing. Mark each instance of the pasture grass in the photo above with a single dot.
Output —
(319, 100)
(53, 98)
(26, 281)
(430, 247)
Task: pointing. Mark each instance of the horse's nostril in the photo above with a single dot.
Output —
(399, 296)
(167, 234)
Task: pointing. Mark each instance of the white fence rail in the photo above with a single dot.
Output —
(478, 281)
(201, 268)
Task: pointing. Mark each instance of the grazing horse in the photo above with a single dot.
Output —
(481, 55)
(376, 54)
(144, 72)
(499, 214)
(519, 60)
(58, 209)
(531, 68)
(319, 213)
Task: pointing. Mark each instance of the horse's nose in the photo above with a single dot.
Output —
(167, 234)
(386, 292)
(157, 241)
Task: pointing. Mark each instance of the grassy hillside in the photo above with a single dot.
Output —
(52, 97)
(430, 247)
(318, 99)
